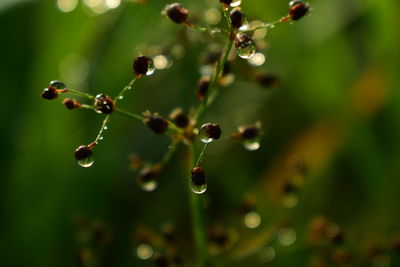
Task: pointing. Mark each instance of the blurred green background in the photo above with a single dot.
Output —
(337, 111)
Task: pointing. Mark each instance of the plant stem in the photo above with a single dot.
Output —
(196, 205)
(76, 92)
(217, 73)
(201, 155)
(103, 127)
(129, 114)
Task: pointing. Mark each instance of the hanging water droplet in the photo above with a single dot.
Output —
(150, 68)
(101, 138)
(198, 189)
(208, 132)
(129, 87)
(251, 144)
(198, 182)
(86, 162)
(235, 3)
(245, 47)
(105, 127)
(121, 97)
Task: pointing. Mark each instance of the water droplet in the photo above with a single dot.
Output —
(252, 220)
(147, 179)
(105, 127)
(198, 189)
(150, 68)
(144, 251)
(129, 87)
(121, 97)
(257, 60)
(286, 236)
(235, 3)
(101, 138)
(245, 47)
(86, 162)
(208, 132)
(251, 144)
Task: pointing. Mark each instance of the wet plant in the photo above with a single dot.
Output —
(188, 129)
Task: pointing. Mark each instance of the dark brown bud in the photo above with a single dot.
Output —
(156, 123)
(49, 93)
(147, 174)
(237, 18)
(143, 66)
(226, 2)
(202, 88)
(267, 80)
(104, 104)
(180, 118)
(298, 9)
(198, 176)
(83, 152)
(177, 13)
(249, 132)
(211, 130)
(71, 103)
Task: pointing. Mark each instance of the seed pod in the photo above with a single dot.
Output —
(143, 65)
(198, 176)
(179, 118)
(49, 93)
(177, 13)
(71, 103)
(104, 104)
(202, 88)
(298, 9)
(157, 124)
(209, 132)
(249, 132)
(237, 18)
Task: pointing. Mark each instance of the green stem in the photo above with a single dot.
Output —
(262, 26)
(76, 92)
(129, 114)
(168, 155)
(126, 88)
(196, 205)
(200, 158)
(205, 103)
(103, 127)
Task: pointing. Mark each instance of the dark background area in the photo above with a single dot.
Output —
(336, 111)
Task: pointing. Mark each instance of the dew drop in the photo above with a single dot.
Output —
(235, 3)
(121, 97)
(252, 220)
(251, 144)
(105, 127)
(101, 138)
(86, 162)
(144, 251)
(204, 137)
(149, 185)
(198, 189)
(150, 68)
(245, 47)
(147, 179)
(208, 132)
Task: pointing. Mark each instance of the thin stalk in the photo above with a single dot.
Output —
(262, 26)
(126, 88)
(103, 127)
(200, 158)
(129, 114)
(217, 73)
(168, 155)
(76, 92)
(196, 205)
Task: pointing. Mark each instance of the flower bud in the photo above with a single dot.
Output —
(237, 18)
(157, 124)
(104, 104)
(49, 93)
(71, 103)
(180, 119)
(249, 132)
(202, 88)
(298, 9)
(143, 66)
(177, 13)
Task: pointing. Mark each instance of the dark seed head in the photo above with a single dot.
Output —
(147, 174)
(198, 176)
(202, 88)
(176, 12)
(71, 103)
(226, 2)
(249, 132)
(83, 152)
(57, 85)
(49, 93)
(298, 9)
(103, 104)
(237, 18)
(142, 65)
(212, 130)
(180, 118)
(156, 123)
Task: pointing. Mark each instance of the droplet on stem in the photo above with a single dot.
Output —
(84, 156)
(245, 47)
(198, 182)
